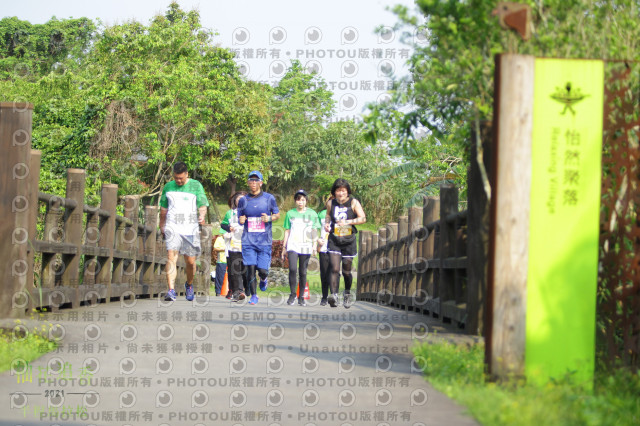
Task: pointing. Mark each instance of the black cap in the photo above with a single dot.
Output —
(302, 192)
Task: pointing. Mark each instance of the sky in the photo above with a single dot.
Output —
(337, 38)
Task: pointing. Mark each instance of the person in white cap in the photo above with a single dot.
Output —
(301, 226)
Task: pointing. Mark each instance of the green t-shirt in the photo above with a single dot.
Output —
(182, 204)
(303, 230)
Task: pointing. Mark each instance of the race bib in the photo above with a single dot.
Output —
(255, 224)
(342, 231)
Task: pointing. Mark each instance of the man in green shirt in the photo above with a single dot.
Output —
(183, 207)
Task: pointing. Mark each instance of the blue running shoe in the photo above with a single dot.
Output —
(263, 285)
(188, 291)
(254, 299)
(170, 296)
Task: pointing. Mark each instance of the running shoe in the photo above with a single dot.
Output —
(263, 285)
(301, 301)
(188, 292)
(229, 295)
(323, 302)
(333, 300)
(170, 296)
(348, 300)
(241, 296)
(292, 299)
(254, 299)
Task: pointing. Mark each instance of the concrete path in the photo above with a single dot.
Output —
(148, 362)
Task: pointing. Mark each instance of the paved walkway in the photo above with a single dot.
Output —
(148, 362)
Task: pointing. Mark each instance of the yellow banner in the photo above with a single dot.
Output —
(564, 216)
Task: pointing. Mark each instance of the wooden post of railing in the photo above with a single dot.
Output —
(91, 238)
(431, 214)
(361, 264)
(108, 202)
(390, 255)
(366, 267)
(34, 187)
(478, 230)
(400, 289)
(415, 222)
(206, 238)
(148, 272)
(372, 286)
(130, 241)
(73, 218)
(448, 205)
(15, 142)
(382, 261)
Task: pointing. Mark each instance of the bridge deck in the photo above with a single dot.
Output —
(210, 361)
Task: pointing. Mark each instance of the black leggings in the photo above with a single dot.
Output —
(251, 276)
(325, 273)
(334, 260)
(294, 259)
(237, 272)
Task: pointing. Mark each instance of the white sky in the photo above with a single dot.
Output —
(333, 35)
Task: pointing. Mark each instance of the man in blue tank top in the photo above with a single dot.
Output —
(256, 211)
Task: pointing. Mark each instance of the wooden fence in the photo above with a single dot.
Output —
(85, 254)
(420, 262)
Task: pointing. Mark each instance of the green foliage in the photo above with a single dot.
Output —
(31, 51)
(18, 344)
(458, 372)
(450, 87)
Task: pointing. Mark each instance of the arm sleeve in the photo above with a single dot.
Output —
(163, 198)
(225, 222)
(201, 197)
(287, 221)
(273, 206)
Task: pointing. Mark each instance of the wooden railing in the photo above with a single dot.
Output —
(87, 254)
(420, 262)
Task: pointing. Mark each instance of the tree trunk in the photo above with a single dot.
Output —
(232, 184)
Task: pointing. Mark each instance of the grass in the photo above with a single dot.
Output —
(22, 345)
(458, 372)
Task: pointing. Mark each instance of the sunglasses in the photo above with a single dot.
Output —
(254, 180)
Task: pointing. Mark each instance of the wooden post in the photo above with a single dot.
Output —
(73, 218)
(91, 238)
(509, 238)
(130, 244)
(34, 187)
(478, 230)
(415, 222)
(448, 205)
(372, 286)
(366, 267)
(431, 213)
(360, 278)
(401, 260)
(15, 141)
(148, 273)
(108, 202)
(206, 238)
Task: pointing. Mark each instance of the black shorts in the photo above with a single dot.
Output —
(348, 248)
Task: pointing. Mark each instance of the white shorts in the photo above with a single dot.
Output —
(188, 245)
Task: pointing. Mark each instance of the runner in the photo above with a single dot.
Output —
(301, 227)
(343, 212)
(238, 283)
(323, 254)
(183, 206)
(256, 211)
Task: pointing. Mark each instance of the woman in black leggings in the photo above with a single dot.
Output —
(301, 226)
(343, 212)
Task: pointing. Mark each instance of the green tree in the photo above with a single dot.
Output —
(170, 93)
(33, 50)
